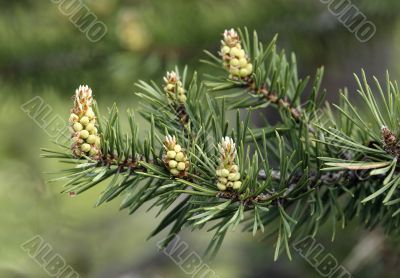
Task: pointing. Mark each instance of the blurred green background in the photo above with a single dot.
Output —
(43, 54)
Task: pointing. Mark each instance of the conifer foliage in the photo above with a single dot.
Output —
(203, 163)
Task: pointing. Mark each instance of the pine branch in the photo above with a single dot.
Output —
(326, 167)
(273, 98)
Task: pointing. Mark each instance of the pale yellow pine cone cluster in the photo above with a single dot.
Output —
(174, 88)
(86, 141)
(228, 172)
(236, 60)
(175, 158)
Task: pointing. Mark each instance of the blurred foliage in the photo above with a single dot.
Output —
(43, 54)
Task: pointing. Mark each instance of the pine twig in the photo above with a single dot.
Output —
(273, 98)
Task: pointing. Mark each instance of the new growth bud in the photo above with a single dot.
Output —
(174, 88)
(175, 158)
(228, 172)
(236, 60)
(86, 141)
(390, 141)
